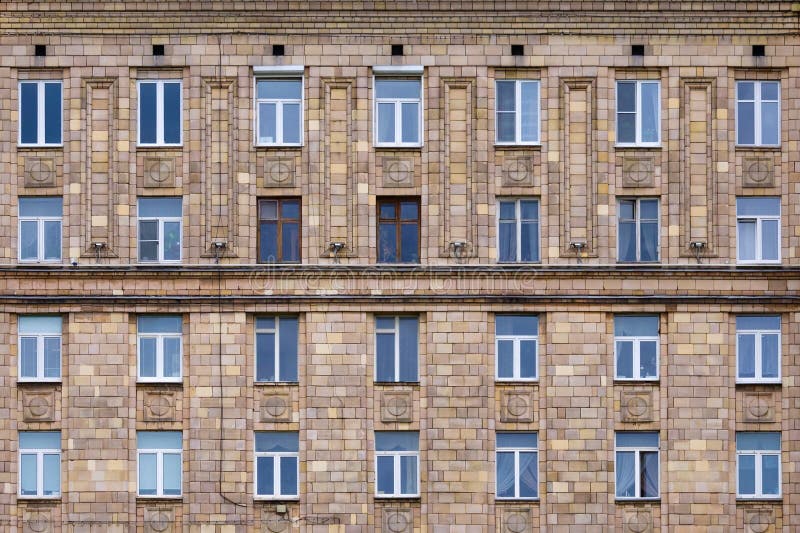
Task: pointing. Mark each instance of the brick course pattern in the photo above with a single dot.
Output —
(577, 51)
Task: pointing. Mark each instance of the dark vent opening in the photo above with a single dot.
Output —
(637, 49)
(517, 50)
(397, 49)
(277, 50)
(158, 49)
(40, 50)
(758, 50)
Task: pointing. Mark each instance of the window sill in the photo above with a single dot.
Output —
(634, 263)
(42, 381)
(532, 263)
(637, 500)
(278, 146)
(515, 500)
(755, 499)
(160, 498)
(637, 147)
(758, 263)
(157, 263)
(392, 497)
(410, 147)
(145, 147)
(173, 382)
(760, 382)
(273, 499)
(758, 147)
(32, 147)
(39, 498)
(42, 262)
(518, 146)
(275, 383)
(516, 380)
(636, 380)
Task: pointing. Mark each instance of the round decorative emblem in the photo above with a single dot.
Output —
(517, 405)
(518, 170)
(277, 524)
(397, 170)
(638, 522)
(639, 170)
(759, 522)
(38, 406)
(275, 406)
(636, 406)
(516, 523)
(158, 170)
(159, 405)
(396, 405)
(40, 171)
(758, 171)
(757, 406)
(160, 521)
(38, 522)
(397, 522)
(279, 171)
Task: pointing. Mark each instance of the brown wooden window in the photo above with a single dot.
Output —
(398, 230)
(279, 230)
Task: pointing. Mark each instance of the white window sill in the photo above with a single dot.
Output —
(155, 497)
(757, 146)
(741, 498)
(31, 497)
(516, 380)
(276, 145)
(637, 380)
(150, 381)
(179, 145)
(396, 496)
(637, 145)
(58, 145)
(166, 263)
(756, 381)
(382, 145)
(501, 499)
(276, 382)
(39, 380)
(756, 263)
(294, 498)
(512, 144)
(632, 500)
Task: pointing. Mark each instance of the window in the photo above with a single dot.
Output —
(277, 464)
(758, 349)
(758, 113)
(517, 458)
(398, 112)
(638, 113)
(160, 463)
(39, 348)
(636, 465)
(638, 230)
(40, 113)
(636, 347)
(398, 230)
(758, 229)
(397, 463)
(517, 338)
(40, 228)
(160, 228)
(518, 232)
(517, 112)
(39, 464)
(276, 349)
(279, 111)
(279, 230)
(758, 464)
(396, 348)
(160, 110)
(160, 350)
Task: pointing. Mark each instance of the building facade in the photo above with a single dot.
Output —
(434, 266)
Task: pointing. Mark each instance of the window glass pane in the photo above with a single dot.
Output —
(172, 241)
(745, 90)
(291, 123)
(388, 210)
(408, 475)
(384, 322)
(505, 359)
(648, 233)
(649, 475)
(625, 359)
(409, 211)
(387, 88)
(147, 357)
(770, 364)
(528, 475)
(384, 364)
(635, 326)
(172, 113)
(527, 359)
(39, 324)
(409, 243)
(770, 126)
(28, 358)
(517, 325)
(265, 472)
(746, 247)
(172, 474)
(769, 240)
(52, 474)
(290, 241)
(265, 357)
(387, 441)
(410, 122)
(386, 123)
(529, 209)
(29, 113)
(267, 123)
(172, 357)
(768, 322)
(746, 356)
(289, 476)
(627, 210)
(530, 111)
(387, 243)
(409, 358)
(626, 96)
(52, 113)
(288, 349)
(769, 90)
(147, 474)
(505, 475)
(758, 205)
(385, 474)
(770, 475)
(529, 241)
(166, 440)
(52, 240)
(29, 240)
(165, 207)
(159, 324)
(268, 209)
(506, 127)
(506, 98)
(650, 112)
(508, 241)
(41, 206)
(746, 123)
(147, 113)
(747, 474)
(517, 440)
(28, 475)
(758, 440)
(626, 128)
(626, 475)
(627, 241)
(648, 209)
(268, 242)
(644, 439)
(648, 359)
(277, 441)
(280, 89)
(40, 440)
(148, 231)
(52, 357)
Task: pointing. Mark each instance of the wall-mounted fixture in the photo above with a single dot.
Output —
(458, 248)
(698, 247)
(578, 246)
(336, 247)
(98, 247)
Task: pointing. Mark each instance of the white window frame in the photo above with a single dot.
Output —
(638, 469)
(159, 83)
(518, 114)
(518, 228)
(517, 341)
(40, 118)
(758, 355)
(161, 222)
(516, 451)
(39, 453)
(276, 330)
(40, 337)
(398, 73)
(277, 493)
(159, 453)
(284, 73)
(638, 112)
(40, 223)
(395, 330)
(160, 338)
(759, 220)
(637, 367)
(759, 455)
(398, 482)
(757, 101)
(638, 237)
